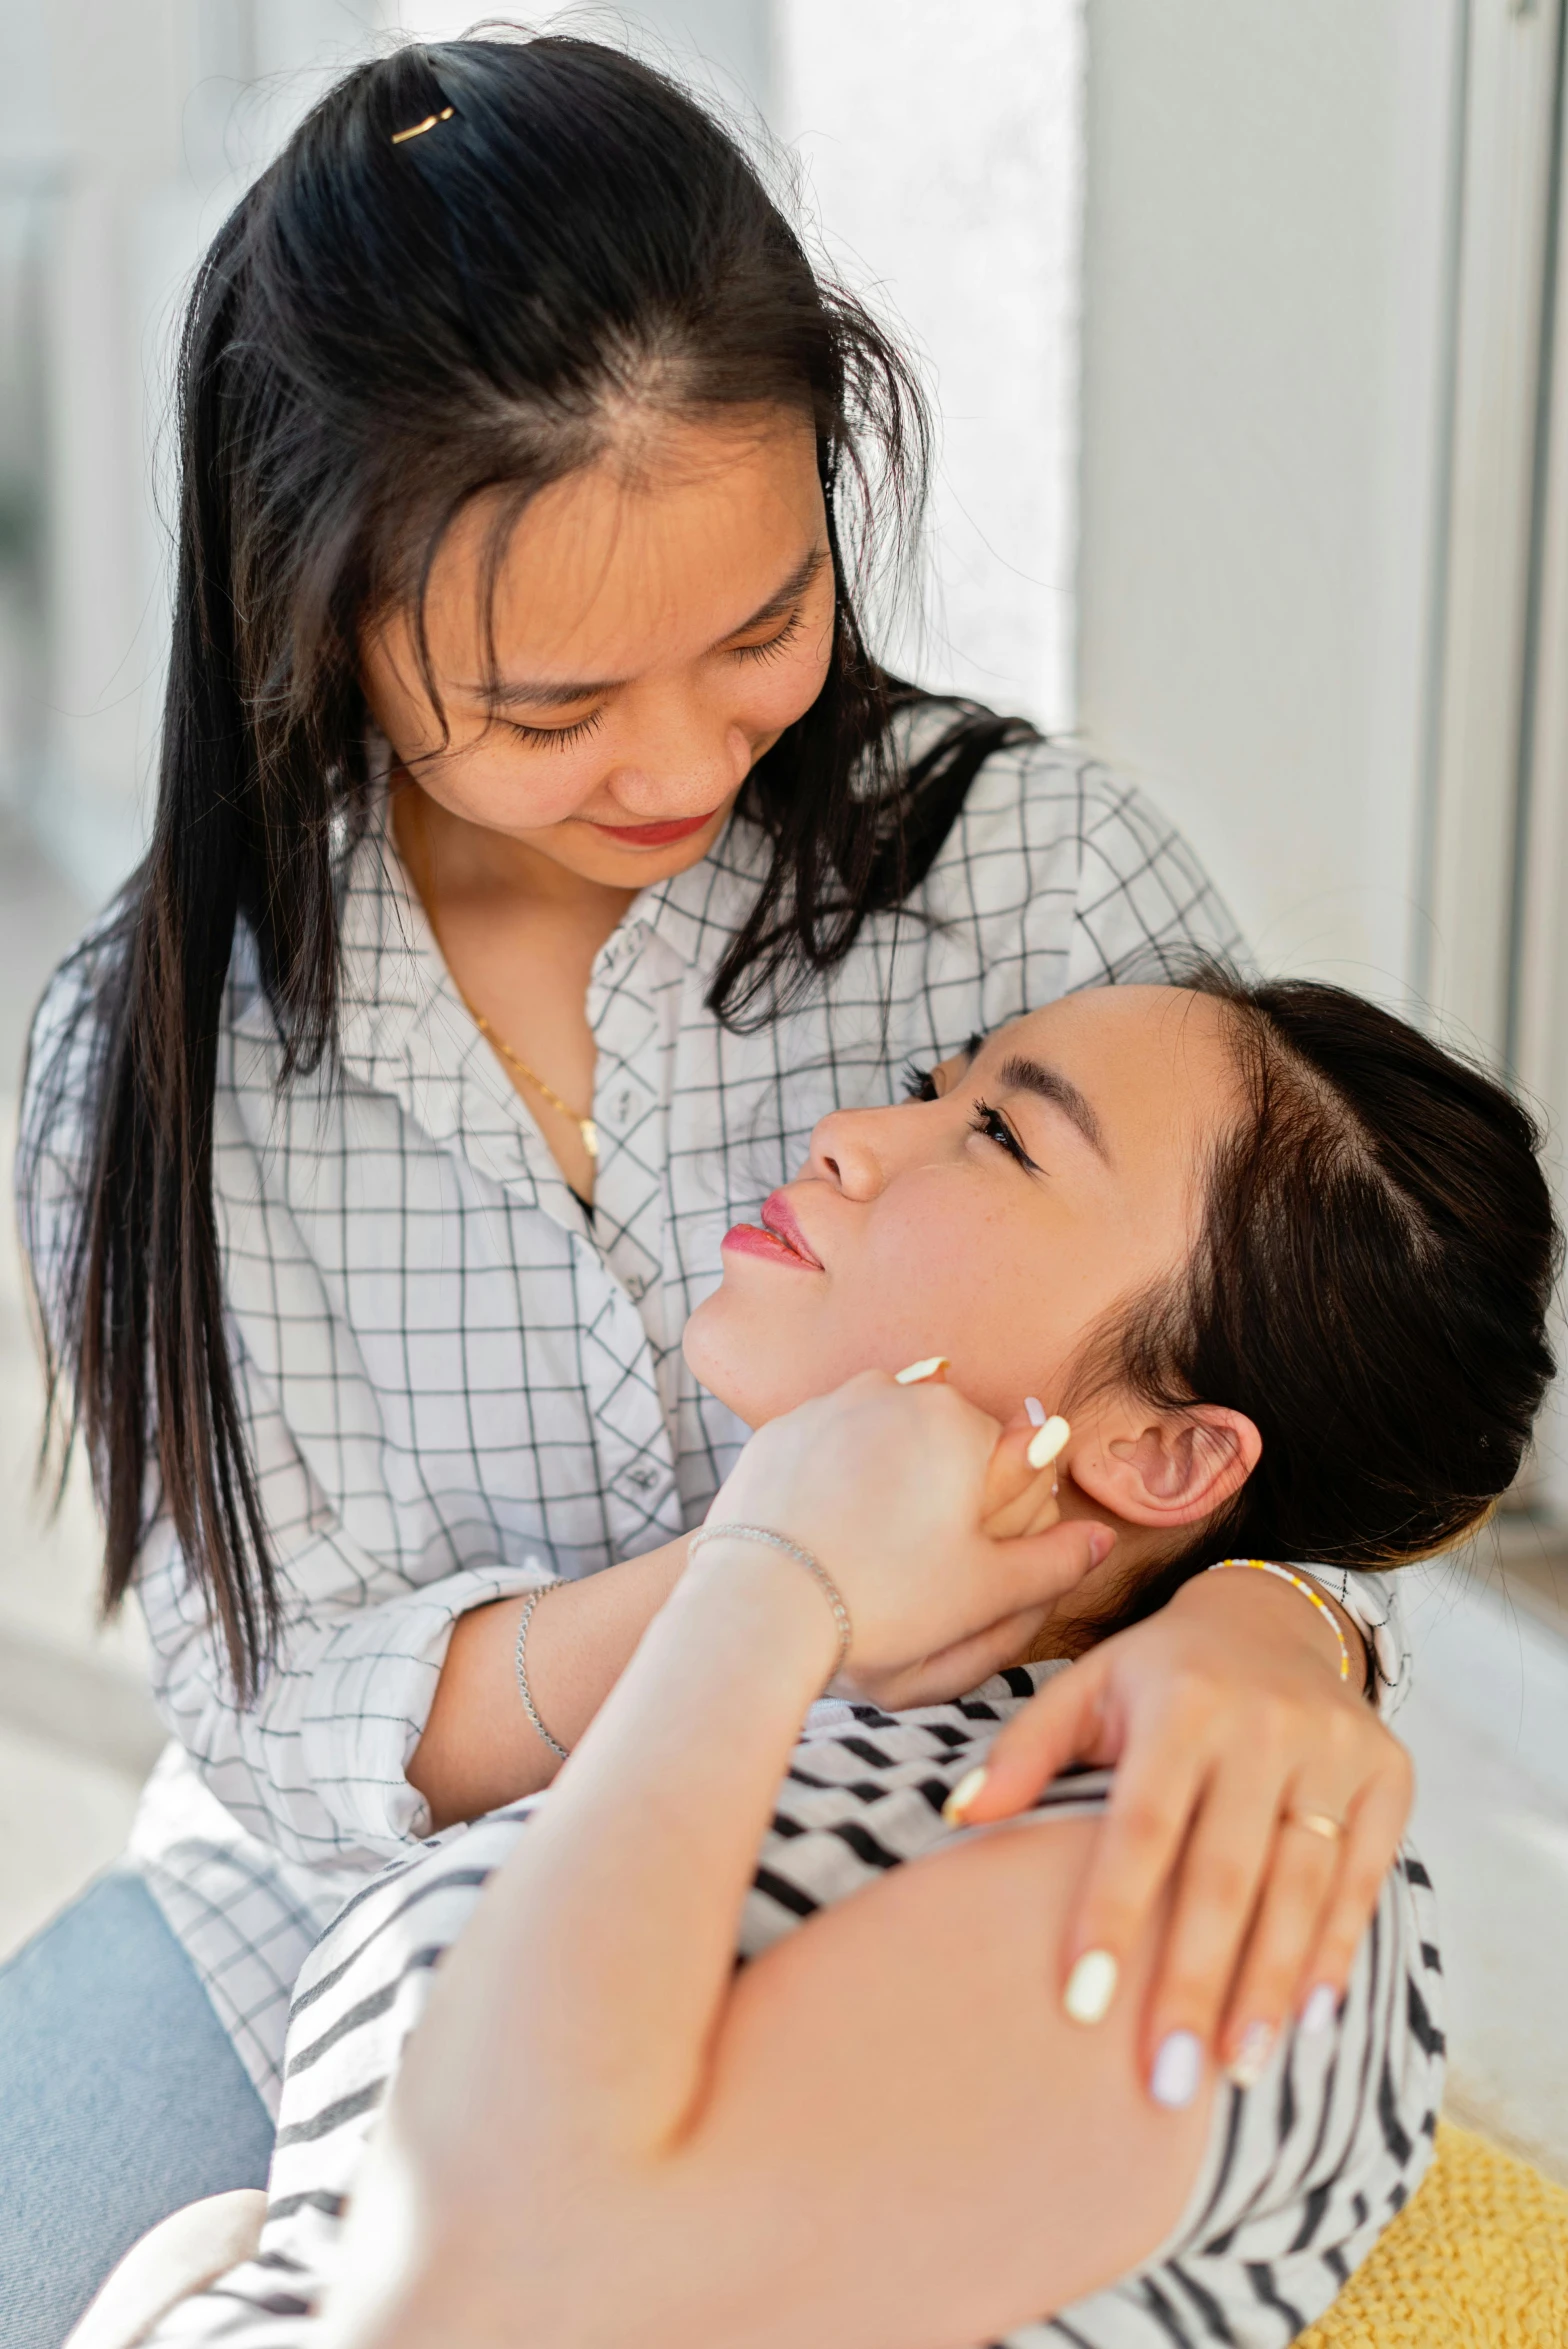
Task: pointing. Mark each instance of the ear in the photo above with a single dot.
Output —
(1167, 1468)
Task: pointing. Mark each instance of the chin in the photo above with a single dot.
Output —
(725, 1352)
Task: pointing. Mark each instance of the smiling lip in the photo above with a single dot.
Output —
(779, 1236)
(653, 835)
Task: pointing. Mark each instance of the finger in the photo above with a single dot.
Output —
(1371, 1844)
(1008, 1479)
(968, 1661)
(1031, 1511)
(1062, 1724)
(1301, 1873)
(1219, 1880)
(1048, 1510)
(1153, 1797)
(1038, 1568)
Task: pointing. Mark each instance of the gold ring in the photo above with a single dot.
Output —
(1317, 1823)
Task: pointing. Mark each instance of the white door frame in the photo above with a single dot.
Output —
(1475, 855)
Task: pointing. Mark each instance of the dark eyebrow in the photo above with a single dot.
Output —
(1023, 1075)
(540, 696)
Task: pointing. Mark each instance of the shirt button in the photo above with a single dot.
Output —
(639, 1482)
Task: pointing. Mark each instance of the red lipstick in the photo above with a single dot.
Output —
(779, 1236)
(653, 835)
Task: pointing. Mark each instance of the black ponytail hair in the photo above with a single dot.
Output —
(384, 329)
(1372, 1285)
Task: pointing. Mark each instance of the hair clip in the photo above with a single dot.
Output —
(417, 128)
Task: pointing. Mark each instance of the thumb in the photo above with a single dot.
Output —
(1063, 1724)
(1036, 1569)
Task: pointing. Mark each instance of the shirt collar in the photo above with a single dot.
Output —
(404, 1029)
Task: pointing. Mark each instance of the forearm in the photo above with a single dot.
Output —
(628, 1886)
(913, 2014)
(479, 1748)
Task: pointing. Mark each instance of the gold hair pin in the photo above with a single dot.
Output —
(415, 130)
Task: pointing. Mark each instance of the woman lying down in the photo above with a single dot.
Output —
(1284, 1266)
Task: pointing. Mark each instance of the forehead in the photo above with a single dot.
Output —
(1157, 1064)
(644, 554)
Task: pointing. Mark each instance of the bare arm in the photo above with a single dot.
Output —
(901, 2145)
(551, 2099)
(479, 1749)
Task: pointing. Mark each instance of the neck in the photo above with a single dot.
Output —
(456, 862)
(1108, 1598)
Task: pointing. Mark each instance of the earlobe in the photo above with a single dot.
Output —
(1171, 1468)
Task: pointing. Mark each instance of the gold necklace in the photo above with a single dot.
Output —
(585, 1125)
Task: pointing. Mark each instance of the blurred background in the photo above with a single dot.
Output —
(1243, 319)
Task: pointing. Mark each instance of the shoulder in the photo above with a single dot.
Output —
(1051, 846)
(1305, 2169)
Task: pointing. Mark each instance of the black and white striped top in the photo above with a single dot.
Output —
(1300, 2175)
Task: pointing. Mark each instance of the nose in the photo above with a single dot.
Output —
(685, 761)
(855, 1150)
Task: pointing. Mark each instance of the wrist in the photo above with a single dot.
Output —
(773, 1602)
(1278, 1605)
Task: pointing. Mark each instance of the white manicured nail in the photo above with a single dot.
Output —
(962, 1796)
(1046, 1442)
(1177, 2068)
(1320, 2009)
(919, 1370)
(1252, 2056)
(1090, 1987)
(1035, 1409)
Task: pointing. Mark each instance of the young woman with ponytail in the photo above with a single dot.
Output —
(540, 852)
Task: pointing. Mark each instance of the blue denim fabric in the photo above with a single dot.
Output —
(121, 2098)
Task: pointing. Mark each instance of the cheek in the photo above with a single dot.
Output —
(770, 695)
(504, 788)
(1007, 1302)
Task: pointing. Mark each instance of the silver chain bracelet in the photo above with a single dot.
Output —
(779, 1541)
(520, 1665)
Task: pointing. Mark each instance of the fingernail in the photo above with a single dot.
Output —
(1101, 1543)
(962, 1796)
(1174, 2079)
(1035, 1409)
(919, 1370)
(1320, 2009)
(1090, 1987)
(1251, 2059)
(1046, 1442)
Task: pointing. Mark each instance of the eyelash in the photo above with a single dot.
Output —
(560, 737)
(994, 1126)
(774, 644)
(920, 1085)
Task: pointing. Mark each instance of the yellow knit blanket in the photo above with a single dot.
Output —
(1478, 2259)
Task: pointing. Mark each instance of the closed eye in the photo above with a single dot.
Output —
(771, 646)
(994, 1126)
(919, 1083)
(557, 737)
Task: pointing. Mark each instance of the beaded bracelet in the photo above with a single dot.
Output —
(520, 1667)
(779, 1541)
(1297, 1582)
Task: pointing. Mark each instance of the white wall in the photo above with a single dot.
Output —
(1268, 206)
(942, 149)
(148, 115)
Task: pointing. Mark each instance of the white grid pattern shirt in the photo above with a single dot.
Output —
(457, 1384)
